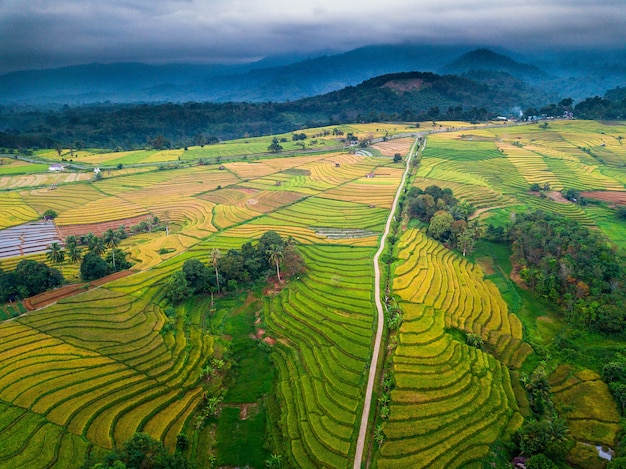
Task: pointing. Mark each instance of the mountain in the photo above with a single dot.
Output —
(487, 60)
(293, 77)
(271, 79)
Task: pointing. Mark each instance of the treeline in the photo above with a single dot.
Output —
(611, 107)
(235, 269)
(413, 96)
(572, 267)
(29, 278)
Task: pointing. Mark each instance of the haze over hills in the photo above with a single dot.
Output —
(289, 78)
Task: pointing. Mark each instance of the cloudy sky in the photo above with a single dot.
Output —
(52, 33)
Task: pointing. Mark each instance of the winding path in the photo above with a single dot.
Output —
(360, 444)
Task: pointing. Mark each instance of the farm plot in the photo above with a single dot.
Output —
(391, 147)
(451, 401)
(41, 179)
(105, 209)
(433, 276)
(585, 400)
(30, 238)
(321, 212)
(14, 210)
(527, 155)
(96, 366)
(378, 189)
(61, 198)
(324, 322)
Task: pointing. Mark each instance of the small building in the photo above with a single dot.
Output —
(96, 170)
(56, 167)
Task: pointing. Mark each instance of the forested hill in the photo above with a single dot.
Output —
(394, 97)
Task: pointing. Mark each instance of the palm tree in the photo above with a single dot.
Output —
(96, 245)
(74, 252)
(111, 240)
(55, 253)
(71, 240)
(215, 257)
(274, 461)
(276, 253)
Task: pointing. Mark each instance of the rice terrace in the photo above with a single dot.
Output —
(384, 300)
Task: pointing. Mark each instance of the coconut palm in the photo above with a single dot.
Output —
(55, 253)
(274, 461)
(215, 257)
(111, 240)
(74, 253)
(96, 245)
(276, 253)
(71, 240)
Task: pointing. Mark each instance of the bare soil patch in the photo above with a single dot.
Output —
(414, 84)
(486, 264)
(558, 197)
(391, 147)
(52, 296)
(99, 228)
(615, 197)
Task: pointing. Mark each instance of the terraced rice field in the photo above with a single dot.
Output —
(451, 401)
(325, 326)
(586, 402)
(14, 210)
(83, 374)
(494, 168)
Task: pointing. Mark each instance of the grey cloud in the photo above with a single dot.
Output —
(44, 33)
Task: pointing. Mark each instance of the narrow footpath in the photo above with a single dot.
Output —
(360, 445)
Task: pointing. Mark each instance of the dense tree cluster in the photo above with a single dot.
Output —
(446, 216)
(142, 451)
(544, 435)
(612, 107)
(572, 267)
(236, 268)
(614, 374)
(92, 264)
(29, 278)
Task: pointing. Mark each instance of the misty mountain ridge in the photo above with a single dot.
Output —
(278, 79)
(487, 60)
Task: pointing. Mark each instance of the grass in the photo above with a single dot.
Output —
(240, 442)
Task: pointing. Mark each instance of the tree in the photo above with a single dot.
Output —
(177, 288)
(120, 260)
(275, 255)
(197, 275)
(92, 267)
(397, 158)
(440, 225)
(50, 214)
(96, 245)
(182, 442)
(275, 147)
(274, 461)
(55, 253)
(215, 258)
(74, 252)
(111, 240)
(540, 461)
(466, 241)
(292, 260)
